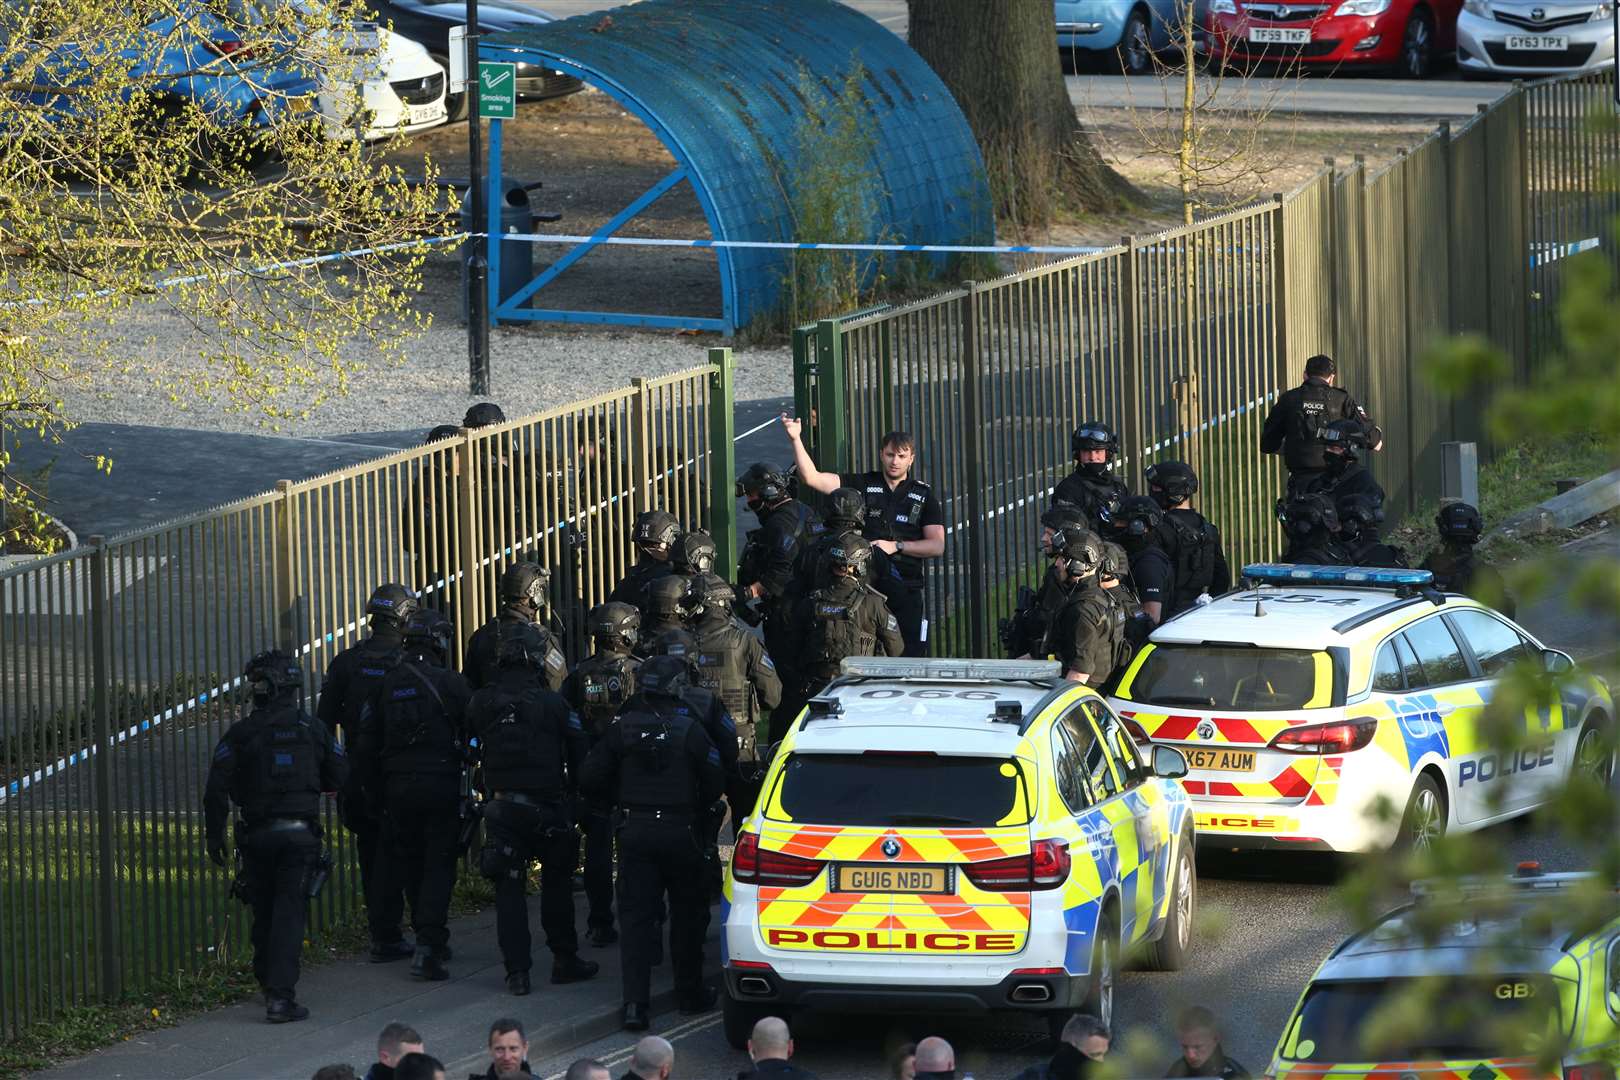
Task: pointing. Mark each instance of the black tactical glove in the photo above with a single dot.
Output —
(216, 850)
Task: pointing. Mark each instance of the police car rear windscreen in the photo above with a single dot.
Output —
(1227, 677)
(901, 789)
(1441, 1018)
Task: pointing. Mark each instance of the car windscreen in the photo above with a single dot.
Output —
(1231, 677)
(1462, 1018)
(884, 789)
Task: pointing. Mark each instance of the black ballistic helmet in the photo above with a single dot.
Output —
(1115, 563)
(526, 581)
(714, 591)
(1170, 482)
(1304, 515)
(1064, 514)
(1459, 521)
(272, 674)
(693, 553)
(1094, 435)
(443, 431)
(430, 629)
(657, 530)
(521, 645)
(615, 625)
(1080, 549)
(1347, 435)
(846, 508)
(1358, 514)
(664, 675)
(1135, 516)
(670, 597)
(392, 604)
(764, 483)
(483, 414)
(851, 553)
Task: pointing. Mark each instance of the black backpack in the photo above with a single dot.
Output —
(287, 761)
(604, 689)
(1192, 559)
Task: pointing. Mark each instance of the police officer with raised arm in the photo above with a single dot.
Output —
(274, 764)
(1091, 485)
(905, 521)
(531, 746)
(1191, 541)
(1084, 635)
(1294, 426)
(660, 769)
(596, 689)
(524, 587)
(654, 534)
(351, 678)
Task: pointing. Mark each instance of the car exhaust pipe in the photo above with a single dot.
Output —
(754, 986)
(1030, 993)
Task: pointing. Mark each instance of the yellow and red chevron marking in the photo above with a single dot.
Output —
(1183, 727)
(1505, 1068)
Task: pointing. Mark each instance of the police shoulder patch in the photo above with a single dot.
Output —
(223, 750)
(893, 623)
(766, 662)
(573, 721)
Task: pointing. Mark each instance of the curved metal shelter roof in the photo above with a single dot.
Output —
(721, 83)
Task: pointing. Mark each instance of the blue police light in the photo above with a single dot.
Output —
(1306, 574)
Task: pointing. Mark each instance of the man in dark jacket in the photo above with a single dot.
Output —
(655, 534)
(1455, 566)
(1084, 1043)
(508, 1050)
(1294, 426)
(1091, 484)
(845, 618)
(393, 1043)
(1201, 1053)
(771, 1048)
(1312, 525)
(1344, 475)
(524, 592)
(1025, 632)
(765, 569)
(1191, 541)
(1134, 524)
(1084, 636)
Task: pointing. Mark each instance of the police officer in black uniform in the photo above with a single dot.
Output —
(905, 521)
(846, 617)
(524, 589)
(693, 554)
(1295, 424)
(1131, 626)
(414, 728)
(844, 511)
(1359, 518)
(596, 689)
(1025, 632)
(731, 662)
(1090, 486)
(765, 570)
(1312, 525)
(274, 763)
(655, 534)
(1344, 475)
(350, 680)
(1133, 523)
(1455, 566)
(656, 764)
(1085, 635)
(1191, 541)
(670, 600)
(531, 747)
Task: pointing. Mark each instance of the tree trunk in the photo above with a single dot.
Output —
(999, 59)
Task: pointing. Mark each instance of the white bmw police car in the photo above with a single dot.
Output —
(1311, 693)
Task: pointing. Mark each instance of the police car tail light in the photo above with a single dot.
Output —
(1595, 1070)
(1336, 738)
(752, 866)
(1045, 867)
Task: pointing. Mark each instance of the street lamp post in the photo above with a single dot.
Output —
(477, 252)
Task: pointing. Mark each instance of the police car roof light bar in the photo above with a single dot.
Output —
(942, 670)
(1431, 888)
(1309, 574)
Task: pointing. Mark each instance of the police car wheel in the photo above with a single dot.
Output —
(1104, 970)
(1592, 757)
(1170, 951)
(738, 1020)
(1425, 819)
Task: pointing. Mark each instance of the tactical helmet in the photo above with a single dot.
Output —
(1459, 521)
(521, 645)
(1346, 435)
(431, 629)
(851, 552)
(763, 483)
(693, 553)
(1094, 435)
(1064, 514)
(1134, 517)
(670, 597)
(526, 581)
(392, 604)
(1080, 550)
(1171, 482)
(664, 675)
(443, 431)
(1115, 564)
(1304, 515)
(656, 530)
(846, 508)
(272, 674)
(1358, 514)
(713, 592)
(615, 625)
(483, 414)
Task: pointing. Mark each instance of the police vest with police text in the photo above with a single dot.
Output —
(416, 730)
(283, 777)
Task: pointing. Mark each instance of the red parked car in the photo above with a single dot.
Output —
(1403, 36)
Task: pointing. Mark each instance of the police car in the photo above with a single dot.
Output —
(967, 836)
(1310, 694)
(1490, 979)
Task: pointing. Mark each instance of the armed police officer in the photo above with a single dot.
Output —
(274, 764)
(660, 769)
(1091, 486)
(1190, 540)
(1295, 424)
(414, 729)
(1455, 566)
(1344, 475)
(351, 678)
(670, 601)
(1084, 637)
(524, 587)
(532, 747)
(1359, 518)
(1312, 525)
(693, 554)
(1025, 632)
(905, 521)
(1133, 523)
(844, 512)
(765, 571)
(732, 664)
(596, 689)
(1131, 624)
(655, 534)
(845, 617)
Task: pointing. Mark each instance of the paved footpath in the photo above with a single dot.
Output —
(350, 1000)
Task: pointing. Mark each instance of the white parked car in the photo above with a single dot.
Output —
(397, 89)
(1535, 37)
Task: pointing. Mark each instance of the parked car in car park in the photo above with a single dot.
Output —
(397, 88)
(1122, 32)
(1405, 37)
(1535, 37)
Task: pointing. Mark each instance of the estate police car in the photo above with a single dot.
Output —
(938, 835)
(1311, 694)
(1506, 978)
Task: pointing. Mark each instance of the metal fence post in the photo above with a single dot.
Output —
(804, 389)
(973, 457)
(723, 461)
(1130, 340)
(640, 448)
(470, 614)
(286, 590)
(109, 938)
(1279, 309)
(832, 397)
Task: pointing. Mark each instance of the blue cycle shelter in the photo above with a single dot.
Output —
(723, 84)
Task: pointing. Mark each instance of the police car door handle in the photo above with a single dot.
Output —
(1444, 708)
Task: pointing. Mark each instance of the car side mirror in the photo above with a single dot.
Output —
(1557, 662)
(1169, 763)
